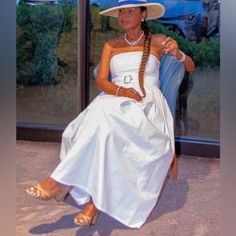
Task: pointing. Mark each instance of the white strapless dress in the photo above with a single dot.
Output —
(119, 150)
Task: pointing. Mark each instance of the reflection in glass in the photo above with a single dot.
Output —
(46, 63)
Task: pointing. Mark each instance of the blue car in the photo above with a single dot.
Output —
(188, 17)
(194, 19)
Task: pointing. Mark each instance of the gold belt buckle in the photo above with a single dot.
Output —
(128, 79)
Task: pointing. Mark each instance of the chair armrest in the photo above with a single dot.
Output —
(95, 71)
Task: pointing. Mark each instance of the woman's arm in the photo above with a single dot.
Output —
(102, 81)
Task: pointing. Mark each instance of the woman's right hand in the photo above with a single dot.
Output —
(130, 93)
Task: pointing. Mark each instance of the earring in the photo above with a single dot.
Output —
(142, 20)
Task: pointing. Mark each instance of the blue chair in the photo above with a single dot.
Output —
(171, 75)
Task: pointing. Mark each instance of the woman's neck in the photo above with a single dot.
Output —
(133, 34)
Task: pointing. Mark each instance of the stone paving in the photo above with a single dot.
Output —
(189, 206)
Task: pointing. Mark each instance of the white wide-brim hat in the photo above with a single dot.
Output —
(155, 10)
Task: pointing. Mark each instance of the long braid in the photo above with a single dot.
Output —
(146, 51)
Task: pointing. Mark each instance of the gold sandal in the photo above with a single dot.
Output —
(85, 220)
(38, 192)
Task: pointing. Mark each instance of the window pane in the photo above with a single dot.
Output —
(46, 62)
(198, 106)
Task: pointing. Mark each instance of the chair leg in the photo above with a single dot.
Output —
(174, 168)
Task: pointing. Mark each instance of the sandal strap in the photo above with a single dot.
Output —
(41, 192)
(38, 192)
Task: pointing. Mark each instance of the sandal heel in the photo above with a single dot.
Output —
(94, 220)
(61, 195)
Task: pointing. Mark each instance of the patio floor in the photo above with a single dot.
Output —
(189, 206)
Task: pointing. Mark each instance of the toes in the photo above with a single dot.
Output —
(79, 221)
(31, 191)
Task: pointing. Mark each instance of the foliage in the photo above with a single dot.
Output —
(25, 44)
(105, 24)
(67, 10)
(207, 53)
(39, 30)
(47, 20)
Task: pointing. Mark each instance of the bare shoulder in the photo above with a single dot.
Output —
(157, 39)
(115, 42)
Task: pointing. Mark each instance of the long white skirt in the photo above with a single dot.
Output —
(118, 151)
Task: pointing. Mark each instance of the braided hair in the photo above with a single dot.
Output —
(146, 51)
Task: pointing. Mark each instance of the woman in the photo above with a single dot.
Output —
(115, 155)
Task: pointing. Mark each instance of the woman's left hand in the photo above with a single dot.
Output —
(170, 46)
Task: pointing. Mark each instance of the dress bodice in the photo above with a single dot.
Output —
(125, 66)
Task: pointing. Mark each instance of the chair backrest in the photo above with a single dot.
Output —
(170, 77)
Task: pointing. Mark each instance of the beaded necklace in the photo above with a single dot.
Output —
(133, 42)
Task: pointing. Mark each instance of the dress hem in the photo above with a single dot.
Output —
(137, 226)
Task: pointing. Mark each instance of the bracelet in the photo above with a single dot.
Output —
(182, 59)
(117, 90)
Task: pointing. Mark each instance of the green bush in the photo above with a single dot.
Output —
(38, 33)
(47, 20)
(207, 53)
(25, 44)
(67, 13)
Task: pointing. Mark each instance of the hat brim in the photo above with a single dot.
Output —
(155, 10)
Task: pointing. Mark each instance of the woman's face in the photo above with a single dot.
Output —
(130, 18)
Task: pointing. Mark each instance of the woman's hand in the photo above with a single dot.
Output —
(170, 46)
(130, 93)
